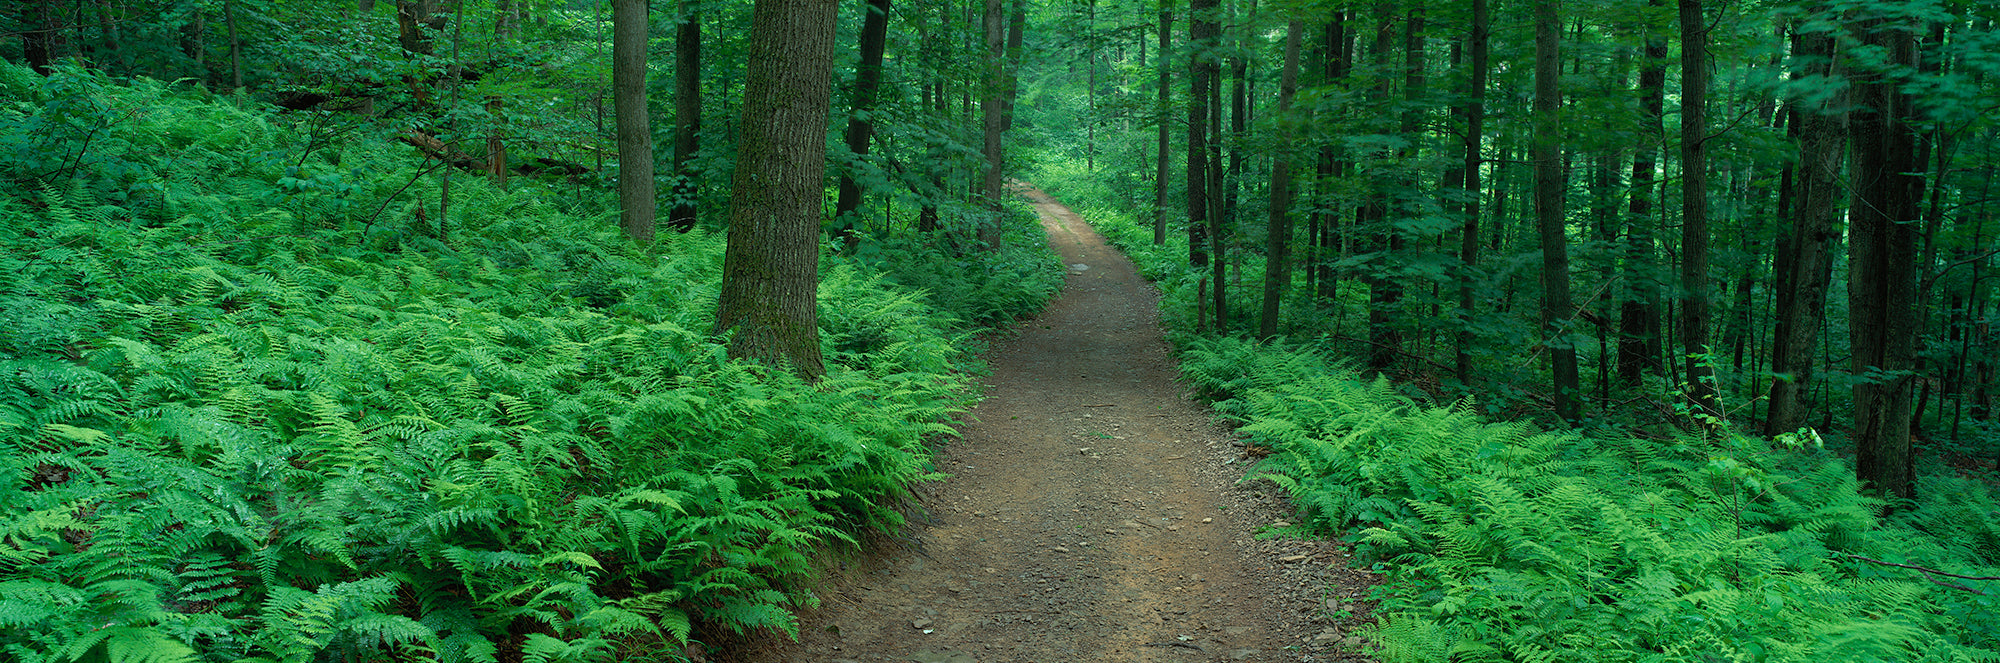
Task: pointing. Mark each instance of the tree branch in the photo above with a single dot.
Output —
(1928, 572)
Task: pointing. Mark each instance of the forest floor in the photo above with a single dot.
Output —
(1094, 514)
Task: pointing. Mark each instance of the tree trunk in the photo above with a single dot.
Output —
(1815, 203)
(1202, 69)
(194, 43)
(1475, 129)
(635, 136)
(770, 270)
(1017, 22)
(42, 34)
(416, 23)
(1277, 257)
(1694, 288)
(861, 125)
(496, 145)
(1882, 263)
(235, 45)
(681, 217)
(1335, 64)
(1385, 289)
(107, 24)
(1162, 109)
(1639, 309)
(1557, 308)
(991, 104)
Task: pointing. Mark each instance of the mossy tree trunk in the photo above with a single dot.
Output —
(770, 270)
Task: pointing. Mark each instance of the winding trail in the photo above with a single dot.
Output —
(1093, 515)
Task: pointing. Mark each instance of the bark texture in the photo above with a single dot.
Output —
(687, 117)
(635, 135)
(1694, 323)
(1557, 308)
(1808, 263)
(1882, 264)
(1278, 227)
(770, 269)
(861, 126)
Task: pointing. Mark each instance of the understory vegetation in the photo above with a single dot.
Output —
(1511, 542)
(262, 400)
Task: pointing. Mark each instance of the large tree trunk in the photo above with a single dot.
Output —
(1801, 302)
(1557, 309)
(635, 135)
(861, 126)
(1882, 263)
(1694, 288)
(1162, 109)
(687, 117)
(770, 270)
(1278, 229)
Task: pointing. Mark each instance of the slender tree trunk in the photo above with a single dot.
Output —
(235, 45)
(1335, 65)
(1017, 22)
(1475, 129)
(1201, 76)
(770, 270)
(1090, 88)
(1694, 322)
(194, 43)
(1557, 308)
(991, 104)
(681, 217)
(1639, 348)
(635, 135)
(1163, 110)
(1277, 257)
(1385, 289)
(861, 125)
(1882, 263)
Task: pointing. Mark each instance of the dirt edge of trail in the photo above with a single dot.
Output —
(1095, 514)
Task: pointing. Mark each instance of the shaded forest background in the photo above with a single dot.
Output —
(406, 330)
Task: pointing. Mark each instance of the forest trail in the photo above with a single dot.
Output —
(1093, 514)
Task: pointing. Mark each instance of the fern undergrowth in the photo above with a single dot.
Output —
(1506, 543)
(246, 417)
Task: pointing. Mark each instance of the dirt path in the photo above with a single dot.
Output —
(1093, 515)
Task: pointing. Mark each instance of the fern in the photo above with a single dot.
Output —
(233, 418)
(1510, 544)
